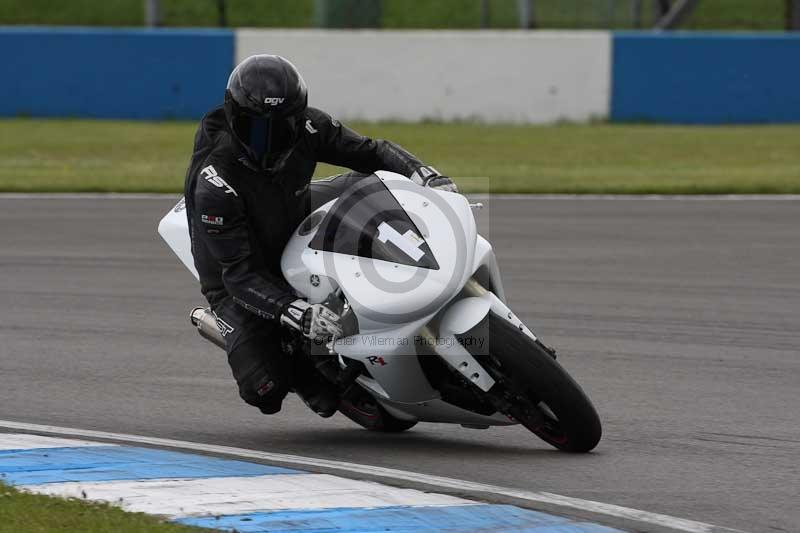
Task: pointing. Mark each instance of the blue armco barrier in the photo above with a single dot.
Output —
(706, 78)
(144, 74)
(169, 73)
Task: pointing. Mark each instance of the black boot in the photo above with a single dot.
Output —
(319, 395)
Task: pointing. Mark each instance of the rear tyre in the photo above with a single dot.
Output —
(542, 395)
(364, 410)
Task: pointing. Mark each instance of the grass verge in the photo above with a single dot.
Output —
(22, 512)
(397, 14)
(135, 156)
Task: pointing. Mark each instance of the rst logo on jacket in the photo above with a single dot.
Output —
(210, 175)
(211, 219)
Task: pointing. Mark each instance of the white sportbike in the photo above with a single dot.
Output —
(428, 334)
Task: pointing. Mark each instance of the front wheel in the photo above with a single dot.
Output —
(539, 393)
(364, 410)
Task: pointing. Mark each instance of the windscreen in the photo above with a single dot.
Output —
(367, 221)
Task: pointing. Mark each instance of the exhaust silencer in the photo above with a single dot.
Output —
(206, 323)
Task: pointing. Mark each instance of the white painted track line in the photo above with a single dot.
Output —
(473, 196)
(566, 502)
(9, 441)
(641, 197)
(87, 196)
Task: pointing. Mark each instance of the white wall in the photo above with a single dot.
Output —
(493, 76)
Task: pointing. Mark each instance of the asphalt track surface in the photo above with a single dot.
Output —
(680, 318)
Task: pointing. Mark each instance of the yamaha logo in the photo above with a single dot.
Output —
(314, 279)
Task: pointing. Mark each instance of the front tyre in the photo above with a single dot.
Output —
(541, 395)
(364, 410)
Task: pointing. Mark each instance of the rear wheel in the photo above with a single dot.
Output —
(364, 410)
(539, 393)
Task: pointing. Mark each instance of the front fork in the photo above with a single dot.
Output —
(475, 289)
(501, 397)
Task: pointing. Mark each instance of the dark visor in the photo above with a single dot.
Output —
(267, 138)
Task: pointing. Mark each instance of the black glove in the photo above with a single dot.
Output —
(430, 177)
(315, 321)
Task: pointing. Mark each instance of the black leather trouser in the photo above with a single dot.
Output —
(262, 371)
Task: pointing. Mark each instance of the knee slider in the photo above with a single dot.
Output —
(264, 391)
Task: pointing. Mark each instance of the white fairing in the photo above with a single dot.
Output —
(393, 302)
(391, 320)
(174, 229)
(375, 288)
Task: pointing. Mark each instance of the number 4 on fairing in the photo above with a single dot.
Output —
(409, 242)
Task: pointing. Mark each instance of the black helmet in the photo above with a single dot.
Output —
(264, 104)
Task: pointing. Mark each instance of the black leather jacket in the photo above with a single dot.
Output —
(240, 220)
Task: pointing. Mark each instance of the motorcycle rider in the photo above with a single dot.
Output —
(247, 188)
